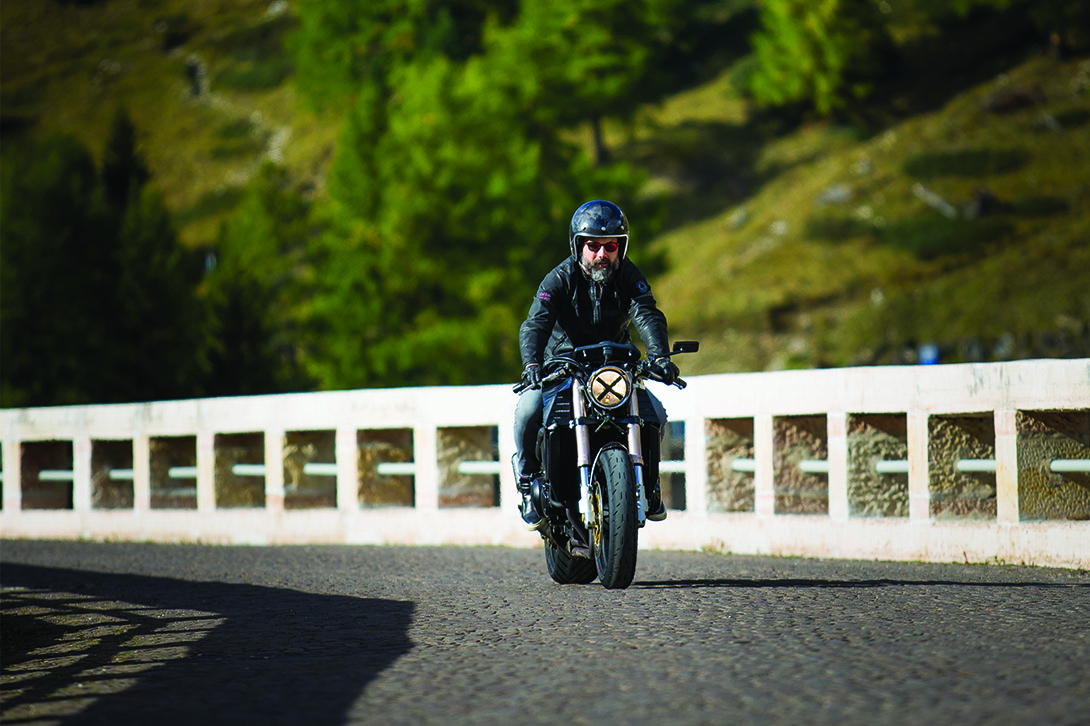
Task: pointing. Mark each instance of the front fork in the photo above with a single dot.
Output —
(635, 450)
(582, 453)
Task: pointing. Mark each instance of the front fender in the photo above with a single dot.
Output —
(637, 479)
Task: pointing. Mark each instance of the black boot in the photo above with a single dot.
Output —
(656, 510)
(531, 519)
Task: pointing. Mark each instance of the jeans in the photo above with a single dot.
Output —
(528, 416)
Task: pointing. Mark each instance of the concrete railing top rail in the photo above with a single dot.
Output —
(941, 389)
(367, 408)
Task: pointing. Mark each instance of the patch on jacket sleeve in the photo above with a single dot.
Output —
(544, 295)
(643, 287)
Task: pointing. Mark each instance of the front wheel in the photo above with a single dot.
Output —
(613, 525)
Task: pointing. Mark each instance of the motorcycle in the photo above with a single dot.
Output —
(599, 448)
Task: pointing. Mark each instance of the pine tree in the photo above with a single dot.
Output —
(826, 53)
(343, 46)
(255, 295)
(453, 183)
(55, 264)
(124, 171)
(157, 322)
(98, 300)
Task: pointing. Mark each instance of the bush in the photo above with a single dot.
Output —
(933, 235)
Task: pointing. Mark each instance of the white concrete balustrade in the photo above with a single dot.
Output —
(981, 463)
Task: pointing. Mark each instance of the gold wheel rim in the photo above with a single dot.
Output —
(596, 518)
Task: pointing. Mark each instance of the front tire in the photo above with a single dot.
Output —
(613, 525)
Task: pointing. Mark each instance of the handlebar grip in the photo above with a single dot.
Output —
(654, 376)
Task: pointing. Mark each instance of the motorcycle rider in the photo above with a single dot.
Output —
(591, 297)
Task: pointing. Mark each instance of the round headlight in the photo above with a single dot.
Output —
(609, 387)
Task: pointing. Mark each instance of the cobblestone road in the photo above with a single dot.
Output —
(130, 634)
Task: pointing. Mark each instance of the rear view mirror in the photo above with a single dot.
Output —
(686, 346)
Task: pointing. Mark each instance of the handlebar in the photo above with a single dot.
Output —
(644, 371)
(563, 364)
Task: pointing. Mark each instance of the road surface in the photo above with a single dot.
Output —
(121, 633)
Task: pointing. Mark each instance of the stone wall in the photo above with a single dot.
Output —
(874, 438)
(730, 489)
(799, 439)
(462, 444)
(955, 493)
(1044, 436)
(384, 446)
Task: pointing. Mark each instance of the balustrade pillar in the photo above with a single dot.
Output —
(506, 433)
(837, 459)
(919, 481)
(347, 453)
(1006, 465)
(426, 457)
(764, 478)
(274, 469)
(141, 473)
(206, 471)
(696, 466)
(81, 473)
(13, 473)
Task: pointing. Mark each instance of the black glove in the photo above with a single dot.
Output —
(665, 369)
(531, 376)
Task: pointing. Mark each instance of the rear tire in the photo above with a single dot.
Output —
(613, 526)
(566, 568)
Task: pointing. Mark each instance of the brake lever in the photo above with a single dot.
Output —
(554, 376)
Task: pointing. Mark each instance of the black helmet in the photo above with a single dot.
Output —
(599, 219)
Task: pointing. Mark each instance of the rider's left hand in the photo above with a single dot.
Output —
(531, 376)
(666, 369)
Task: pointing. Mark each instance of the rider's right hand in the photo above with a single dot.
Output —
(531, 376)
(666, 370)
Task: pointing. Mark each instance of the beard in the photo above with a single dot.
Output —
(600, 272)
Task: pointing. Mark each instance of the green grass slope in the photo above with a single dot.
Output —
(955, 213)
(966, 227)
(67, 66)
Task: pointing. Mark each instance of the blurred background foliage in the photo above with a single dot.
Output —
(217, 198)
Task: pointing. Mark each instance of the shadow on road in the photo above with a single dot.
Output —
(93, 648)
(834, 584)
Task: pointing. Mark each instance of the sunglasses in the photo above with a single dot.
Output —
(594, 246)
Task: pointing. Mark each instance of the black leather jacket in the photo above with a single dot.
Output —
(569, 311)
